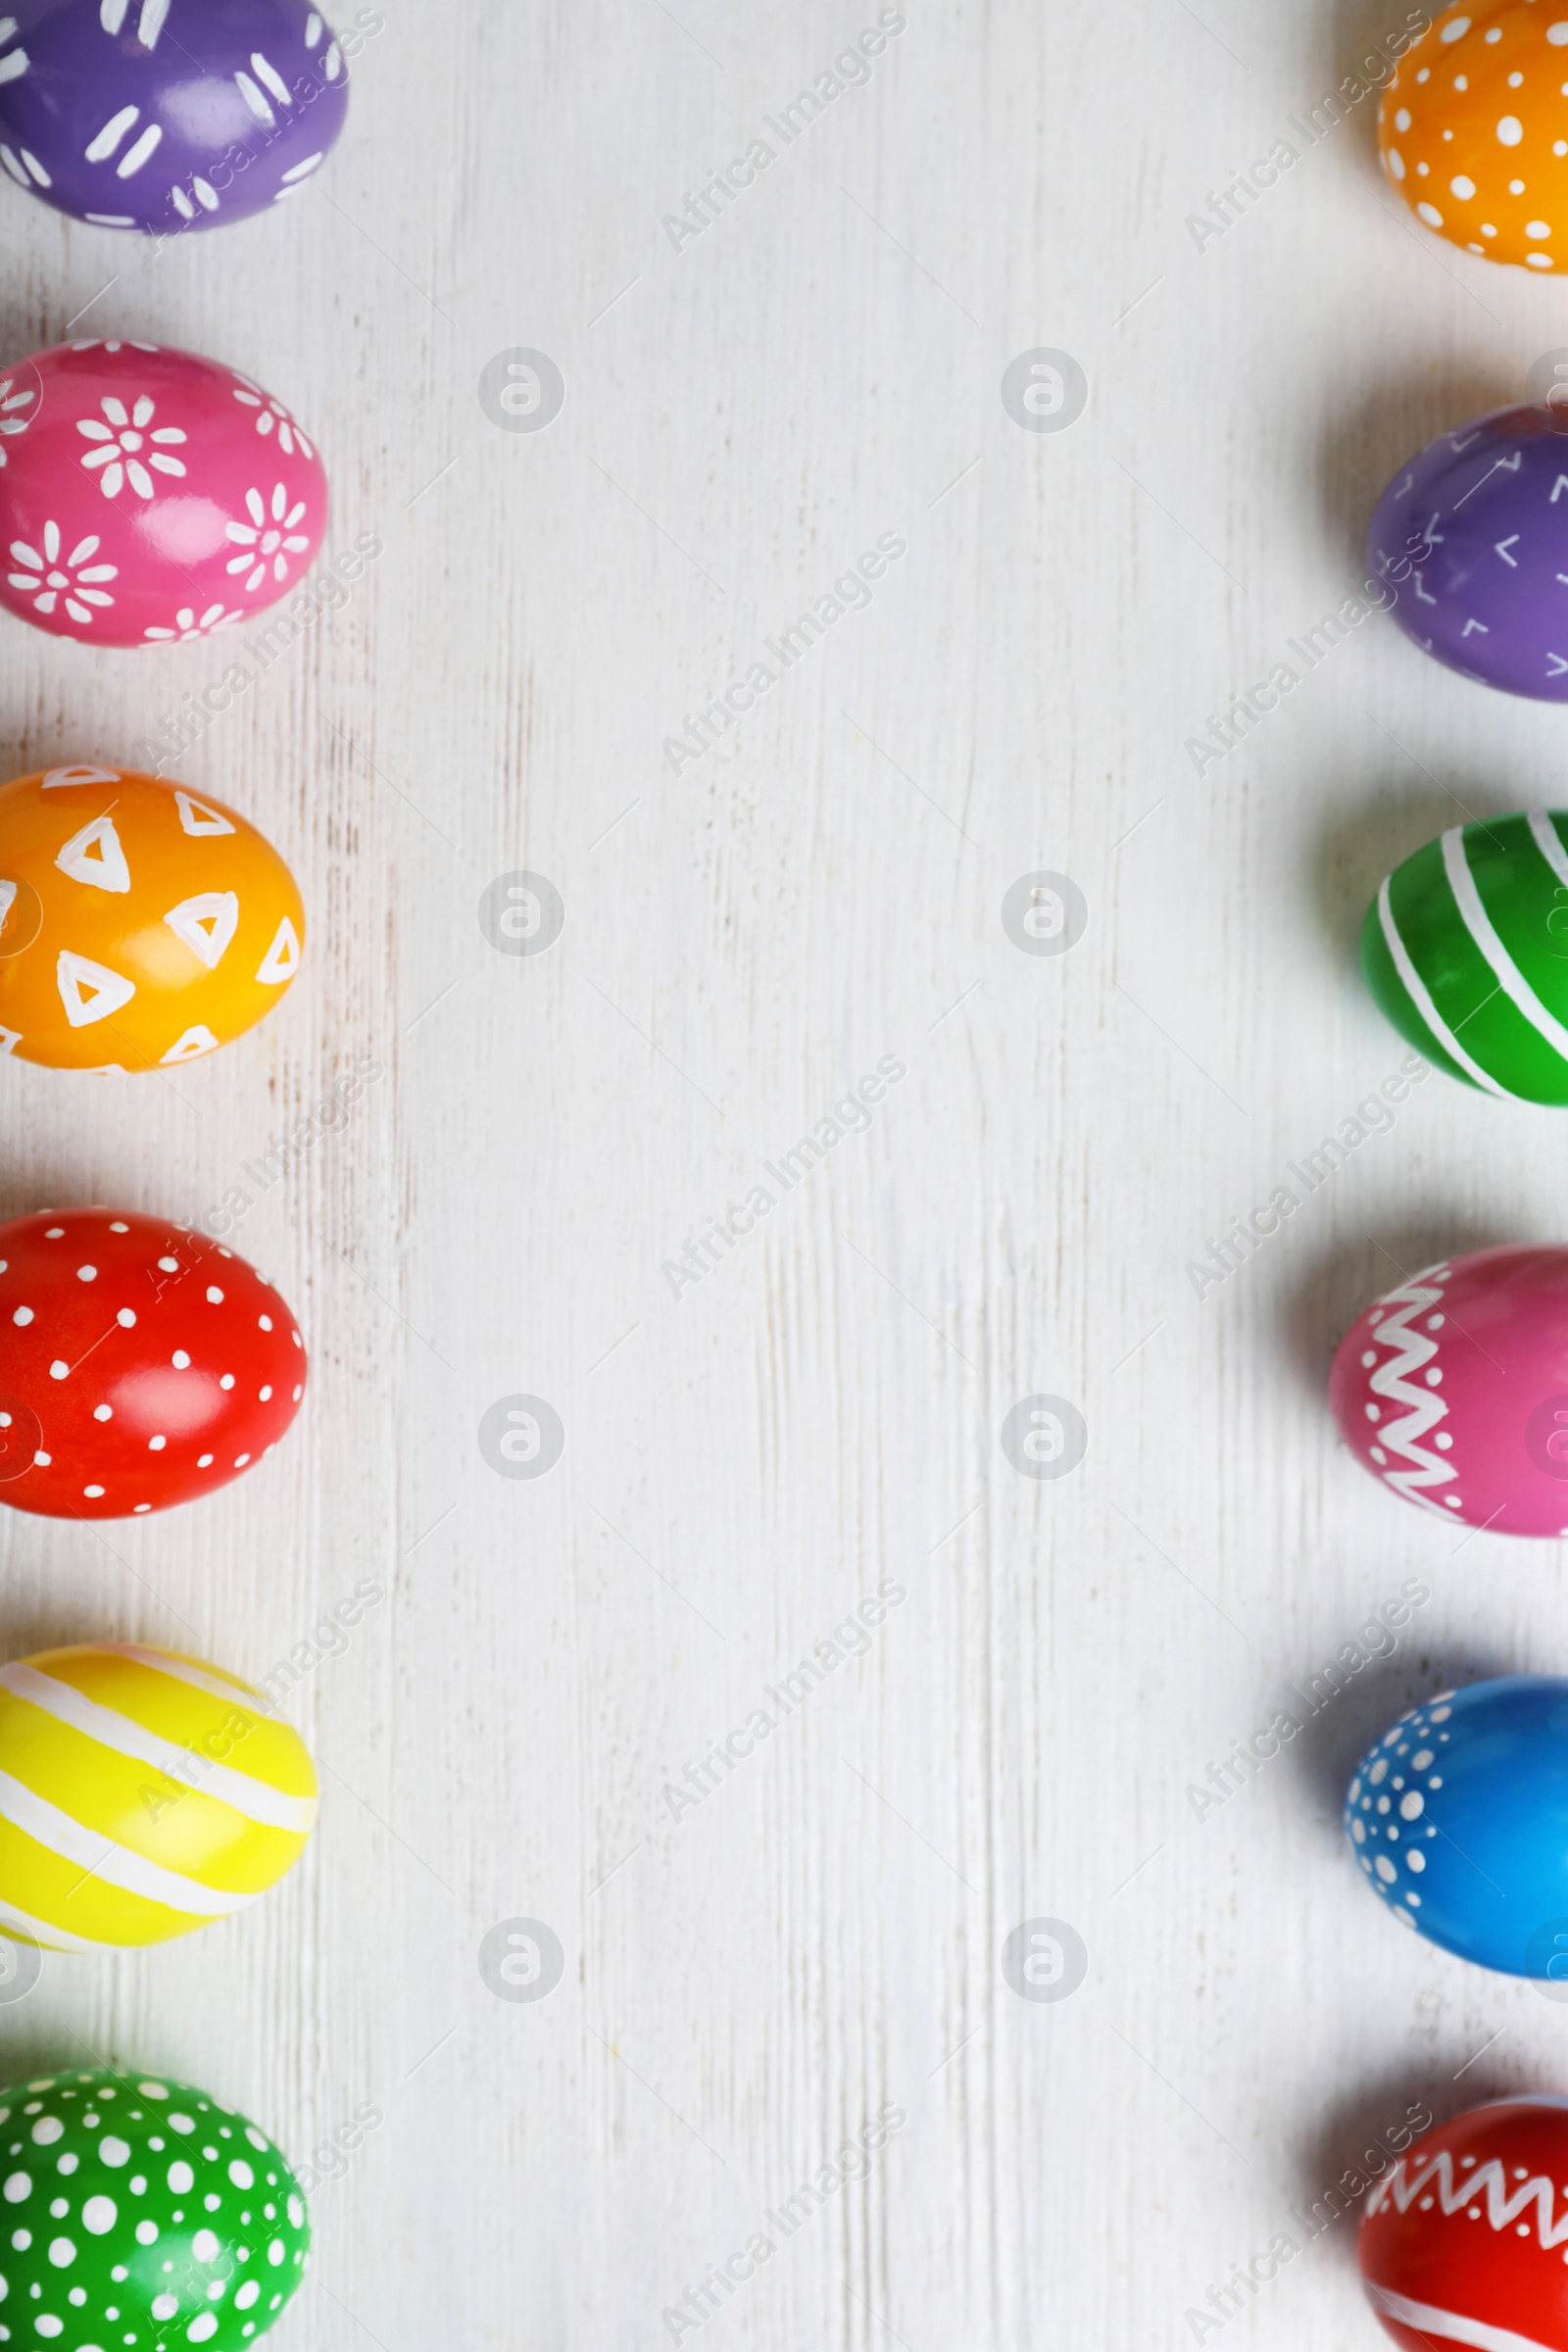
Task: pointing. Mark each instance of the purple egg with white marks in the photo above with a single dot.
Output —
(1472, 539)
(167, 114)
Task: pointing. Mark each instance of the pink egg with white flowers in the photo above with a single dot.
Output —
(1452, 1389)
(149, 494)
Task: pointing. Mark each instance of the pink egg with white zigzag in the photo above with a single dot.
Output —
(1452, 1389)
(149, 496)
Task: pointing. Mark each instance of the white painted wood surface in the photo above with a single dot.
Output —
(744, 1988)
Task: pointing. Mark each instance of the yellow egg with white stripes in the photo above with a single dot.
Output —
(142, 1794)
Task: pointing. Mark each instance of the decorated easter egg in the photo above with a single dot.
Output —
(1462, 2240)
(1459, 1819)
(149, 494)
(142, 1794)
(1452, 1389)
(1472, 539)
(1465, 949)
(143, 2212)
(1474, 130)
(167, 114)
(141, 1364)
(139, 924)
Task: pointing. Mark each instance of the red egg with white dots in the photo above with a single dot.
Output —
(141, 1364)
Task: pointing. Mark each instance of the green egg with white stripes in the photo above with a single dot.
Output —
(1466, 948)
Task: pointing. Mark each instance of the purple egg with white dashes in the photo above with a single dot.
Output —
(167, 114)
(1471, 539)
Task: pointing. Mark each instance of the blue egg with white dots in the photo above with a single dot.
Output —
(1458, 1818)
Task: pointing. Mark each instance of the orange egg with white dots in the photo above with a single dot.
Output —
(1472, 130)
(141, 924)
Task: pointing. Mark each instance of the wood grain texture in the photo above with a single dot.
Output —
(747, 1985)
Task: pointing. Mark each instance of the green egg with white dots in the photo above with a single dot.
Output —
(139, 2214)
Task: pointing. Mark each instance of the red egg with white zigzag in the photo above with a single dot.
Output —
(141, 1364)
(1465, 2241)
(141, 924)
(1452, 1389)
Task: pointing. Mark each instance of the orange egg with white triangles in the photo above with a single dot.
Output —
(141, 924)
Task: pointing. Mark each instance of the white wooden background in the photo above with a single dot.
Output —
(743, 942)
